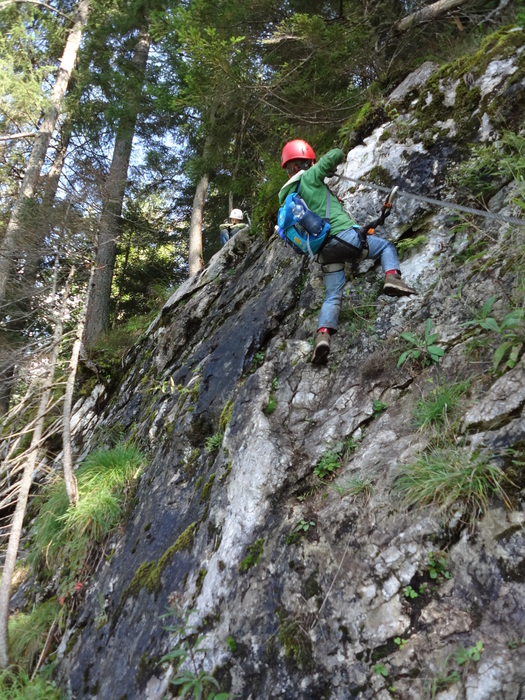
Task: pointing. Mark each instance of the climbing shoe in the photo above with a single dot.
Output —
(321, 347)
(395, 287)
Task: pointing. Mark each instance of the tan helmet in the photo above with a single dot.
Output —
(236, 214)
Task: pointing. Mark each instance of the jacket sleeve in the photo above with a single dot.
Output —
(328, 163)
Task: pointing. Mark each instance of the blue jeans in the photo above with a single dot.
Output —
(225, 236)
(336, 252)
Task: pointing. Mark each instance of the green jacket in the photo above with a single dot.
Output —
(232, 228)
(313, 191)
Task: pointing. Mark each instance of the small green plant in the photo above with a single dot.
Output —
(447, 476)
(213, 443)
(232, 644)
(300, 530)
(381, 670)
(257, 361)
(511, 331)
(112, 345)
(378, 407)
(400, 642)
(351, 444)
(270, 406)
(464, 656)
(304, 526)
(409, 592)
(272, 400)
(437, 566)
(192, 681)
(330, 462)
(443, 680)
(435, 409)
(422, 349)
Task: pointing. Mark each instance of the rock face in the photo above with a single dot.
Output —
(327, 588)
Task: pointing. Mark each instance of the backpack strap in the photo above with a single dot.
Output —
(327, 213)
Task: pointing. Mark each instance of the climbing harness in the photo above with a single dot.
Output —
(437, 202)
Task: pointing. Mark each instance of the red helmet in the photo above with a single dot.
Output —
(297, 149)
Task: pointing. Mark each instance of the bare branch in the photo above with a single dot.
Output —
(429, 12)
(497, 11)
(23, 135)
(6, 3)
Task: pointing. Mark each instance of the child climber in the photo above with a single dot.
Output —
(233, 226)
(299, 161)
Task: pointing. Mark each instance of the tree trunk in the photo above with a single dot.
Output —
(69, 476)
(97, 316)
(40, 228)
(25, 485)
(122, 274)
(7, 377)
(195, 261)
(426, 14)
(13, 242)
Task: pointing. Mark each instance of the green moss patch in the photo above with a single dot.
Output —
(295, 641)
(148, 574)
(255, 551)
(207, 488)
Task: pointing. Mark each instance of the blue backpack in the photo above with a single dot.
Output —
(304, 230)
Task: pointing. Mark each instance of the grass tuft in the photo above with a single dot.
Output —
(354, 486)
(446, 477)
(439, 405)
(17, 685)
(28, 631)
(64, 535)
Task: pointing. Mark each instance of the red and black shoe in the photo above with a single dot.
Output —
(321, 347)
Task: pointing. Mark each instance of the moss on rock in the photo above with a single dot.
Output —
(207, 488)
(255, 551)
(148, 574)
(295, 641)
